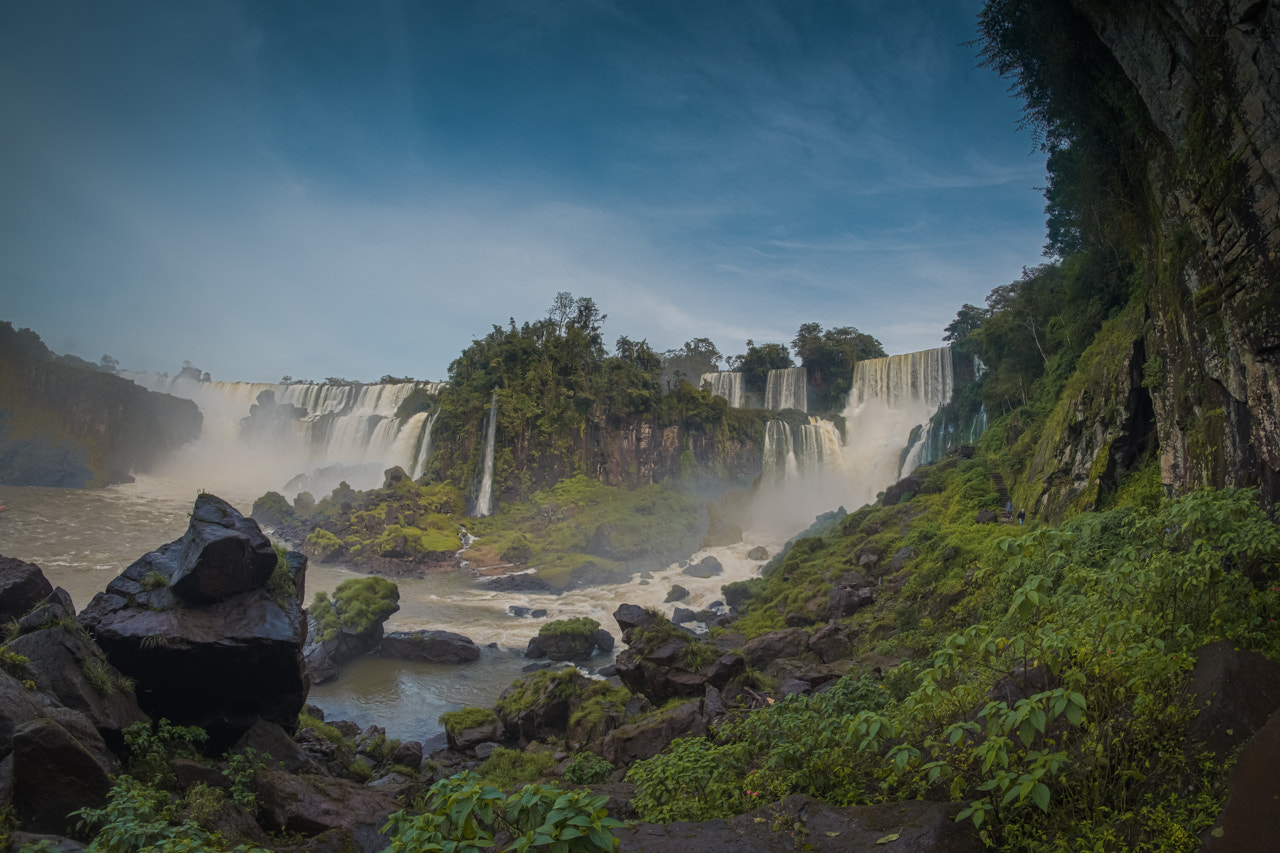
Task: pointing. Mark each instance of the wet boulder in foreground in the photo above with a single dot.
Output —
(429, 646)
(210, 637)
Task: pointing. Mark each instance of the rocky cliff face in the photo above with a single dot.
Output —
(641, 453)
(66, 424)
(1208, 72)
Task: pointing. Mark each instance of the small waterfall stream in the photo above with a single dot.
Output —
(726, 385)
(484, 499)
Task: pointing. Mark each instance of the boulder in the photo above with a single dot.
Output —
(986, 516)
(54, 608)
(465, 739)
(1250, 813)
(54, 773)
(911, 484)
(275, 745)
(788, 643)
(407, 754)
(646, 738)
(429, 646)
(664, 662)
(219, 664)
(677, 593)
(604, 641)
(311, 805)
(545, 715)
(832, 642)
(65, 664)
(22, 587)
(758, 553)
(847, 600)
(707, 567)
(682, 615)
(222, 554)
(560, 647)
(323, 658)
(1234, 691)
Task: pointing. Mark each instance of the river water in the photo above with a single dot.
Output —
(84, 538)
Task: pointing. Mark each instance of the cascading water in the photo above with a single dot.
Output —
(787, 389)
(484, 500)
(892, 399)
(298, 436)
(424, 446)
(727, 385)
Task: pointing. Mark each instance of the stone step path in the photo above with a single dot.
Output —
(997, 480)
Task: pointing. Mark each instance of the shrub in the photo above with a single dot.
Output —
(507, 769)
(462, 813)
(580, 626)
(587, 768)
(455, 722)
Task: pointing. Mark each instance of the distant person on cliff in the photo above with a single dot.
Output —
(1022, 514)
(1008, 508)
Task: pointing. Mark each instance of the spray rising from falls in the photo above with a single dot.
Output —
(299, 436)
(817, 469)
(484, 500)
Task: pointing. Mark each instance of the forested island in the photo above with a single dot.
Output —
(912, 673)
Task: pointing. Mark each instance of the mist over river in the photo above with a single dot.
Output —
(84, 538)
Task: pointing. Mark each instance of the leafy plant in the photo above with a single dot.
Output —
(587, 768)
(461, 813)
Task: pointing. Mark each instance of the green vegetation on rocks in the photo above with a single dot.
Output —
(358, 604)
(456, 722)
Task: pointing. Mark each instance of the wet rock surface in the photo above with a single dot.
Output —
(429, 647)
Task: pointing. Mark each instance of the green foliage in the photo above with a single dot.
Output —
(242, 771)
(587, 768)
(578, 626)
(461, 813)
(104, 678)
(273, 509)
(14, 663)
(153, 580)
(1053, 709)
(140, 818)
(358, 604)
(153, 747)
(524, 691)
(757, 361)
(455, 722)
(828, 358)
(326, 731)
(507, 769)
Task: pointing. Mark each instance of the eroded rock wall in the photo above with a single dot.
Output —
(1208, 72)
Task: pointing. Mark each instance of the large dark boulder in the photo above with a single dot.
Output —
(196, 660)
(222, 554)
(55, 773)
(429, 646)
(1250, 814)
(788, 643)
(65, 664)
(646, 738)
(707, 567)
(22, 587)
(311, 805)
(1234, 692)
(664, 662)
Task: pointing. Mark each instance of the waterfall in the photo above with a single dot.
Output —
(299, 436)
(484, 500)
(888, 431)
(424, 446)
(726, 385)
(786, 389)
(779, 453)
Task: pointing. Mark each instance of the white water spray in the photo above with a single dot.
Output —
(727, 385)
(787, 389)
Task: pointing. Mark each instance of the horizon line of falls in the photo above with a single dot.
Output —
(818, 469)
(787, 388)
(484, 500)
(300, 436)
(727, 385)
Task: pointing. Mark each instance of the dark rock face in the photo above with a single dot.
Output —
(218, 664)
(759, 553)
(429, 646)
(1234, 691)
(1250, 814)
(22, 587)
(847, 600)
(832, 642)
(1215, 314)
(312, 805)
(55, 773)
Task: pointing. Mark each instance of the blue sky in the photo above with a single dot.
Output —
(356, 189)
